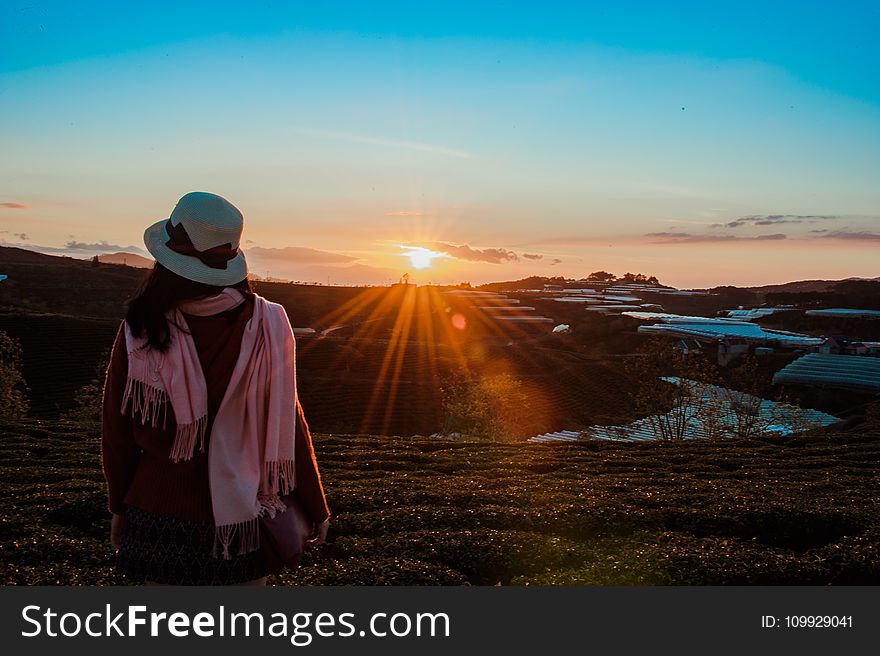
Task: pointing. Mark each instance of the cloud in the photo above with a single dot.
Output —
(669, 235)
(297, 255)
(533, 256)
(14, 206)
(99, 246)
(564, 240)
(775, 219)
(465, 252)
(556, 260)
(851, 235)
(20, 235)
(686, 238)
(404, 213)
(382, 141)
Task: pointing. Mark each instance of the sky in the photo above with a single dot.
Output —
(704, 143)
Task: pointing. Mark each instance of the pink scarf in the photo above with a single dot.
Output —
(250, 458)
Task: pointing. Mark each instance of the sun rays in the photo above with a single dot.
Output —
(423, 333)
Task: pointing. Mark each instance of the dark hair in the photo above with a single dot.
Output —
(161, 291)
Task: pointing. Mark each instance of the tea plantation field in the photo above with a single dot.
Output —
(424, 511)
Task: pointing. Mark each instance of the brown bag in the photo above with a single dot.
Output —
(283, 537)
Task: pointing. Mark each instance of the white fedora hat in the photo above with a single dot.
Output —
(200, 240)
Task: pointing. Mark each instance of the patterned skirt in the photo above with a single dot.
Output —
(172, 551)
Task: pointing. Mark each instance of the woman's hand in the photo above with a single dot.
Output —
(320, 534)
(117, 528)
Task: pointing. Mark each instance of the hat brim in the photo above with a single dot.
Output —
(192, 268)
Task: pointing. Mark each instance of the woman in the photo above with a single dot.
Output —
(203, 432)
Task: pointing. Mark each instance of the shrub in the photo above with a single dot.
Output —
(493, 407)
(13, 399)
(88, 398)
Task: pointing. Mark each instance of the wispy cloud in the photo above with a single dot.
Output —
(775, 219)
(533, 256)
(669, 235)
(404, 213)
(563, 240)
(383, 141)
(465, 252)
(14, 206)
(687, 238)
(862, 235)
(99, 246)
(556, 260)
(297, 255)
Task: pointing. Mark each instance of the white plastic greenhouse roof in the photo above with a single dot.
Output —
(623, 299)
(611, 308)
(856, 372)
(845, 312)
(525, 319)
(503, 308)
(574, 299)
(779, 418)
(755, 313)
(680, 292)
(681, 318)
(471, 292)
(749, 331)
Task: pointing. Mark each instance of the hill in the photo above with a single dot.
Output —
(64, 285)
(127, 259)
(799, 286)
(419, 511)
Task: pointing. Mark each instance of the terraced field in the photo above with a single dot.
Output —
(425, 511)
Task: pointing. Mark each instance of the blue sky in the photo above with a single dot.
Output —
(706, 143)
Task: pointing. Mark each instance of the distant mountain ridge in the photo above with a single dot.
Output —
(127, 259)
(805, 285)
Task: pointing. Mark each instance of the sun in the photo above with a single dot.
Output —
(421, 257)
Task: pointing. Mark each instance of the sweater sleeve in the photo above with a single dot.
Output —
(119, 451)
(308, 488)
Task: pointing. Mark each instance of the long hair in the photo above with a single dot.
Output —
(161, 291)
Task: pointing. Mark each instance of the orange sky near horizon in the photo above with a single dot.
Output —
(736, 162)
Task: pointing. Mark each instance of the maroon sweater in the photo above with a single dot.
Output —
(135, 456)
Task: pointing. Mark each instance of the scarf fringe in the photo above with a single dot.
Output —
(185, 437)
(146, 400)
(279, 476)
(246, 534)
(271, 504)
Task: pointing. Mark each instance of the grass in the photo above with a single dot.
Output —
(422, 511)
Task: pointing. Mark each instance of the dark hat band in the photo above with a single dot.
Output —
(179, 242)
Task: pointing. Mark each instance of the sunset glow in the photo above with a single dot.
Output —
(535, 140)
(421, 258)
